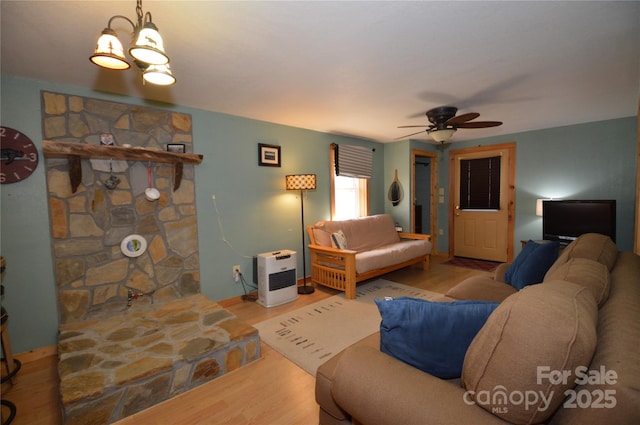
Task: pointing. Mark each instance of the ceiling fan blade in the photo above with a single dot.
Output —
(460, 119)
(409, 135)
(479, 124)
(411, 126)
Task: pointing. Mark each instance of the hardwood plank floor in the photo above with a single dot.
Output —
(271, 390)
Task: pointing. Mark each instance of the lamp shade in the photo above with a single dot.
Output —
(159, 74)
(109, 52)
(148, 47)
(442, 135)
(539, 207)
(300, 182)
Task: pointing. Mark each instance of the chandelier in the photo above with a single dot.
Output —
(147, 49)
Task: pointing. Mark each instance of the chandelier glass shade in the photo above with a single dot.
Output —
(159, 75)
(109, 52)
(147, 49)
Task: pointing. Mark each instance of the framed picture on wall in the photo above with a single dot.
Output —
(176, 147)
(268, 155)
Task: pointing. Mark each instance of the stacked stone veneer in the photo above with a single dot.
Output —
(114, 365)
(118, 356)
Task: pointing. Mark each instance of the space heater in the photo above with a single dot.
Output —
(277, 283)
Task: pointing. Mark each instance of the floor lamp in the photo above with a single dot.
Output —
(302, 182)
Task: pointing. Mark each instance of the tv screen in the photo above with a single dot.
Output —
(565, 220)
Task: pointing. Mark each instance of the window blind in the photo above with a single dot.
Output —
(480, 183)
(353, 161)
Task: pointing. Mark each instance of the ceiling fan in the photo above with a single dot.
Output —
(444, 123)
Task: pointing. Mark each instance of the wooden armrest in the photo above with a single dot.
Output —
(406, 235)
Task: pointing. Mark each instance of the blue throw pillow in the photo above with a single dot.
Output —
(532, 264)
(431, 336)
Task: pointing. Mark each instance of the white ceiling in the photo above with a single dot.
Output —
(356, 68)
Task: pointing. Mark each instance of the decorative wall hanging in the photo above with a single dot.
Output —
(176, 147)
(395, 191)
(151, 193)
(112, 181)
(19, 156)
(133, 246)
(268, 155)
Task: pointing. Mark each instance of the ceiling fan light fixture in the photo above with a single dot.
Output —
(159, 75)
(442, 135)
(149, 47)
(109, 52)
(444, 123)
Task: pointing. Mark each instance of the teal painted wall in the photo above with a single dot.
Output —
(255, 212)
(596, 160)
(397, 156)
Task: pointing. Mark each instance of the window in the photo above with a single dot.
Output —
(349, 195)
(480, 184)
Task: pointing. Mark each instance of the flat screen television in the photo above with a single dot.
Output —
(565, 220)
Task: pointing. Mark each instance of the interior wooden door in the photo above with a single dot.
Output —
(483, 232)
(423, 193)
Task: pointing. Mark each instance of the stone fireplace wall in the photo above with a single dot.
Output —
(87, 227)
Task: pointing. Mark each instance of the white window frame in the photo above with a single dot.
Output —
(359, 192)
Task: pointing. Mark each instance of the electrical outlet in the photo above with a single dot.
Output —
(236, 272)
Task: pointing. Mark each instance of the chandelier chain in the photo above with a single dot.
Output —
(139, 13)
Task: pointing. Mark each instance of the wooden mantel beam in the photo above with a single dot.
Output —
(83, 150)
(76, 151)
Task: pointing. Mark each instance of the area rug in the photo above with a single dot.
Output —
(471, 263)
(312, 334)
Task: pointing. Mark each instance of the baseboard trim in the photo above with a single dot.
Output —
(37, 354)
(228, 302)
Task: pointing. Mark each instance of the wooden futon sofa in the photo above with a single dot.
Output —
(344, 253)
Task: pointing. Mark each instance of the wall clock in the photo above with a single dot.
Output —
(19, 158)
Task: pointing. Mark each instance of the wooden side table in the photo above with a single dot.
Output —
(523, 242)
(12, 365)
(7, 354)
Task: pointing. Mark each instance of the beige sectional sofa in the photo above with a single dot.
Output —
(373, 248)
(571, 342)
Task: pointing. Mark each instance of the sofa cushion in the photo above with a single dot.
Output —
(364, 233)
(531, 264)
(325, 376)
(321, 236)
(390, 255)
(588, 273)
(593, 246)
(431, 336)
(617, 351)
(536, 331)
(481, 288)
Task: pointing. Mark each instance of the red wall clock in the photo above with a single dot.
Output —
(19, 157)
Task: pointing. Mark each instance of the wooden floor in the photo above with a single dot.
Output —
(271, 390)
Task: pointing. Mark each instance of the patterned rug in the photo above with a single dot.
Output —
(472, 263)
(312, 334)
